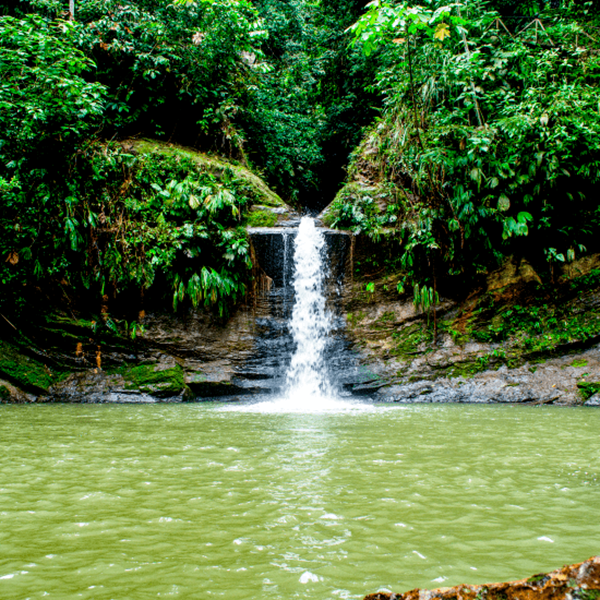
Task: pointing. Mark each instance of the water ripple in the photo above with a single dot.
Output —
(149, 501)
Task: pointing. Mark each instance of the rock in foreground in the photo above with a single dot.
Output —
(573, 582)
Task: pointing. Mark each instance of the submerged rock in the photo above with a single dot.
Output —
(580, 581)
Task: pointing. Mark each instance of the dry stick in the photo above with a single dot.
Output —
(537, 22)
(1, 315)
(478, 113)
(587, 35)
(497, 22)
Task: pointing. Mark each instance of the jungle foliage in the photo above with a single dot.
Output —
(489, 142)
(266, 85)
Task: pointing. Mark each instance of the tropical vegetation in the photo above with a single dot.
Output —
(465, 132)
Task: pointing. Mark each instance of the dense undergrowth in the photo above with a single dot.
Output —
(124, 222)
(264, 85)
(488, 145)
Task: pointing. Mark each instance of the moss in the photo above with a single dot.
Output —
(4, 394)
(588, 389)
(149, 379)
(387, 317)
(579, 362)
(384, 322)
(586, 594)
(410, 341)
(355, 318)
(538, 578)
(466, 369)
(216, 165)
(261, 218)
(25, 372)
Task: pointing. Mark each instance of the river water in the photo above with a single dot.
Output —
(204, 501)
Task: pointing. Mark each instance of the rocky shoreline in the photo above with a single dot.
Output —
(573, 582)
(196, 359)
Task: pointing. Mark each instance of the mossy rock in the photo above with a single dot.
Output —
(468, 368)
(155, 380)
(261, 218)
(215, 165)
(410, 341)
(588, 389)
(5, 395)
(24, 372)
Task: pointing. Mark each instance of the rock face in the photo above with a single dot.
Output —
(187, 356)
(513, 341)
(573, 582)
(392, 343)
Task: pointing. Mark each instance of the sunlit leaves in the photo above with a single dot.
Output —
(442, 31)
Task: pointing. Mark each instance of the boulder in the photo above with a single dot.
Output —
(580, 267)
(513, 275)
(593, 401)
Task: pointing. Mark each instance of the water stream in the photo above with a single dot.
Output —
(309, 385)
(307, 377)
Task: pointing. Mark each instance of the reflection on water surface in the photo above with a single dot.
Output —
(195, 501)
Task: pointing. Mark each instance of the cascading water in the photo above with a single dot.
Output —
(300, 348)
(307, 379)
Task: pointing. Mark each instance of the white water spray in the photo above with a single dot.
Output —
(307, 386)
(307, 379)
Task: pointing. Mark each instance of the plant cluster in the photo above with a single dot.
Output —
(121, 223)
(553, 316)
(256, 82)
(490, 133)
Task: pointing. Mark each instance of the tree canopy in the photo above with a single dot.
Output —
(473, 130)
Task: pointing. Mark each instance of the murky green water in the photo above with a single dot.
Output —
(136, 502)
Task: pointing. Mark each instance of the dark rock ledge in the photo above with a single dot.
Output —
(573, 582)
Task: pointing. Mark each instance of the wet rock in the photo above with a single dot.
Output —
(395, 344)
(593, 401)
(11, 394)
(272, 216)
(582, 266)
(512, 274)
(579, 581)
(556, 381)
(98, 387)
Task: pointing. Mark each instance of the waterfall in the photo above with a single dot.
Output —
(318, 362)
(307, 377)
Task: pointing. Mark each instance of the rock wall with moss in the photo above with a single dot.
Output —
(156, 299)
(512, 339)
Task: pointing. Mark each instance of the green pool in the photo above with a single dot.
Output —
(197, 501)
